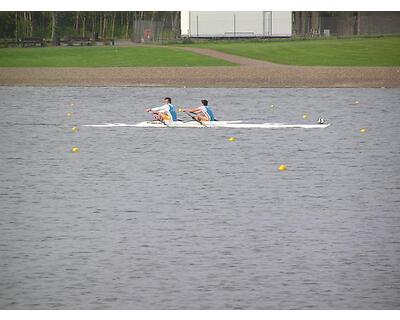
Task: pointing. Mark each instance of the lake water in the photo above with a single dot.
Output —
(146, 218)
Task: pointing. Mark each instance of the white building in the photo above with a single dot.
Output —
(236, 24)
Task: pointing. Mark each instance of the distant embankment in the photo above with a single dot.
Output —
(213, 77)
(214, 64)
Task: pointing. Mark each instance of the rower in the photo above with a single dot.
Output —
(203, 113)
(166, 112)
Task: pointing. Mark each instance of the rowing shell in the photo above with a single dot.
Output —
(213, 124)
(158, 124)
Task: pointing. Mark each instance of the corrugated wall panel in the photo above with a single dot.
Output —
(236, 23)
(282, 23)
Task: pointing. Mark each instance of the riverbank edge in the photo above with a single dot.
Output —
(272, 76)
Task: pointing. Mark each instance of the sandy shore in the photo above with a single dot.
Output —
(249, 74)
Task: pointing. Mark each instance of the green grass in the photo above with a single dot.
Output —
(104, 57)
(384, 51)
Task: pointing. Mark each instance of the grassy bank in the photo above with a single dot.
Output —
(104, 57)
(383, 51)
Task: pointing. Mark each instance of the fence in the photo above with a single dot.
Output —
(316, 24)
(152, 31)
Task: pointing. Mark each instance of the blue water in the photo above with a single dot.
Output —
(146, 218)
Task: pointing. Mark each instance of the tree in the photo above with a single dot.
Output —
(53, 26)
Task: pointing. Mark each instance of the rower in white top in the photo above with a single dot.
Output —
(166, 112)
(202, 113)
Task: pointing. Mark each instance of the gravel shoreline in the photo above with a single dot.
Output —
(249, 74)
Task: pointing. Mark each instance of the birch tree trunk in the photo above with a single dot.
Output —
(30, 24)
(53, 26)
(94, 17)
(127, 25)
(16, 26)
(114, 16)
(76, 26)
(105, 25)
(175, 25)
(135, 27)
(83, 18)
(101, 24)
(24, 24)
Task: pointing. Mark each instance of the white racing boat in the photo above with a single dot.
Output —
(158, 124)
(214, 124)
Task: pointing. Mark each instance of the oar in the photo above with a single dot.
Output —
(161, 120)
(194, 118)
(181, 110)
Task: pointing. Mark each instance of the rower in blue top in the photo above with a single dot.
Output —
(166, 112)
(203, 113)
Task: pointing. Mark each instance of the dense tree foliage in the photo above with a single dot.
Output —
(124, 25)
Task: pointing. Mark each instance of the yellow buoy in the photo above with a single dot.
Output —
(282, 167)
(232, 139)
(75, 149)
(74, 129)
(305, 116)
(69, 114)
(180, 110)
(363, 130)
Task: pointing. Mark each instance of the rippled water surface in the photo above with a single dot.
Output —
(146, 218)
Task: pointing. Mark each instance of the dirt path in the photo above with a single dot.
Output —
(250, 74)
(229, 57)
